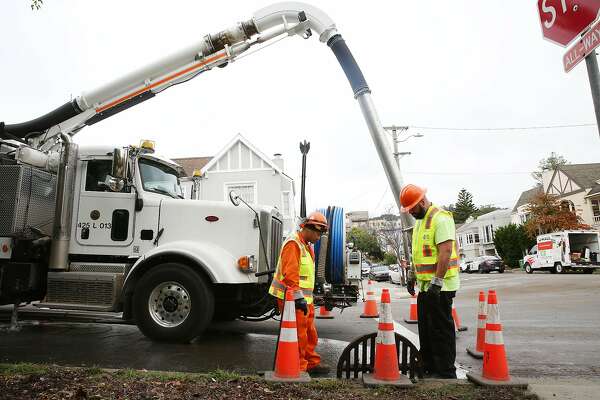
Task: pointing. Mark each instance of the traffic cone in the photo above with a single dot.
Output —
(477, 352)
(413, 316)
(324, 313)
(495, 366)
(457, 325)
(287, 358)
(370, 309)
(386, 370)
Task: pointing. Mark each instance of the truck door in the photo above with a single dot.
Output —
(104, 218)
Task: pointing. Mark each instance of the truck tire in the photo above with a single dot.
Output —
(558, 268)
(528, 268)
(172, 303)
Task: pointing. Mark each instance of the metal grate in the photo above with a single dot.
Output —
(276, 239)
(100, 267)
(359, 357)
(27, 200)
(83, 288)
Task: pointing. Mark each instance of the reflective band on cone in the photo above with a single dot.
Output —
(413, 315)
(324, 313)
(287, 359)
(370, 309)
(386, 369)
(495, 365)
(477, 352)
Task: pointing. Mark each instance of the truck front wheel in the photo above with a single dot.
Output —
(528, 268)
(172, 303)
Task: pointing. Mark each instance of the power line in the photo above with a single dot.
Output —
(511, 128)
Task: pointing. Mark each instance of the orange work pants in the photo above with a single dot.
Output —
(307, 337)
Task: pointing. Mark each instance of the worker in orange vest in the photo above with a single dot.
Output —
(296, 272)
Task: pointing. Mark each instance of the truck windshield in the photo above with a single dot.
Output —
(160, 178)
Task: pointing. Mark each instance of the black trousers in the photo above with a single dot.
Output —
(437, 334)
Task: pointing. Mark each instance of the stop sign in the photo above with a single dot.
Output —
(563, 20)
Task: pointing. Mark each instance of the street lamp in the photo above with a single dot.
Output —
(408, 137)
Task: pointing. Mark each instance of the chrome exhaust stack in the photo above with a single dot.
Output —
(61, 234)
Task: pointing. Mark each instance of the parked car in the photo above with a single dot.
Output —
(484, 264)
(379, 273)
(395, 276)
(365, 268)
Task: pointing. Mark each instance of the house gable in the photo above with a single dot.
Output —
(562, 184)
(240, 155)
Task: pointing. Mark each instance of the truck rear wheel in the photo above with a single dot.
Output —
(558, 268)
(172, 303)
(528, 268)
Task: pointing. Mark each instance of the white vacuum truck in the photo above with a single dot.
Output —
(105, 229)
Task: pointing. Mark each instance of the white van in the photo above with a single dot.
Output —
(564, 250)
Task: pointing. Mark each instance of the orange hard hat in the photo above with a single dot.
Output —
(317, 220)
(410, 196)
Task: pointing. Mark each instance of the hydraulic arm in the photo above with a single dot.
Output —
(214, 50)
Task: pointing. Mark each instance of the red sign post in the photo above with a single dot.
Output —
(563, 20)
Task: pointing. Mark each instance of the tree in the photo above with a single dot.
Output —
(512, 242)
(548, 215)
(365, 242)
(390, 235)
(548, 164)
(484, 209)
(36, 4)
(389, 258)
(464, 206)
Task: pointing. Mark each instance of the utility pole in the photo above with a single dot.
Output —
(406, 220)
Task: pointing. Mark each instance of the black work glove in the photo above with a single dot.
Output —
(410, 282)
(301, 305)
(434, 290)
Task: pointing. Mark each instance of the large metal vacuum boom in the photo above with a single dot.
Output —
(215, 50)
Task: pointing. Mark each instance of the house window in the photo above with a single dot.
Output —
(469, 238)
(285, 203)
(476, 237)
(596, 210)
(247, 191)
(460, 241)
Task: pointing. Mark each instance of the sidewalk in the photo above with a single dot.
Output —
(565, 388)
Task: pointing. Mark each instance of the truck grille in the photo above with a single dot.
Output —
(276, 239)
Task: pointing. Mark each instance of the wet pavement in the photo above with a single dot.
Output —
(551, 325)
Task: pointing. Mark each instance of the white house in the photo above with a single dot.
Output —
(476, 236)
(240, 166)
(576, 185)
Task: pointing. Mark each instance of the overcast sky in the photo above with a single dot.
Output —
(443, 64)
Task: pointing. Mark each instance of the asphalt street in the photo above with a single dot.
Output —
(550, 322)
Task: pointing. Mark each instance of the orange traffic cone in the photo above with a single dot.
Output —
(413, 316)
(457, 325)
(495, 366)
(370, 309)
(324, 313)
(386, 370)
(287, 358)
(477, 352)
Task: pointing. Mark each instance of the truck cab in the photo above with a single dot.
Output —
(133, 246)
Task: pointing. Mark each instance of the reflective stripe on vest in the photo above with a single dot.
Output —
(306, 274)
(425, 248)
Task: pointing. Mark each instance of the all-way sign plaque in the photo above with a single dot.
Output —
(582, 48)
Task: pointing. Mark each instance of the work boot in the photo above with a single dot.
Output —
(320, 369)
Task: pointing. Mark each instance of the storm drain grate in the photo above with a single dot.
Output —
(359, 357)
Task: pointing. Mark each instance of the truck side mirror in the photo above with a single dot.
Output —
(118, 176)
(234, 198)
